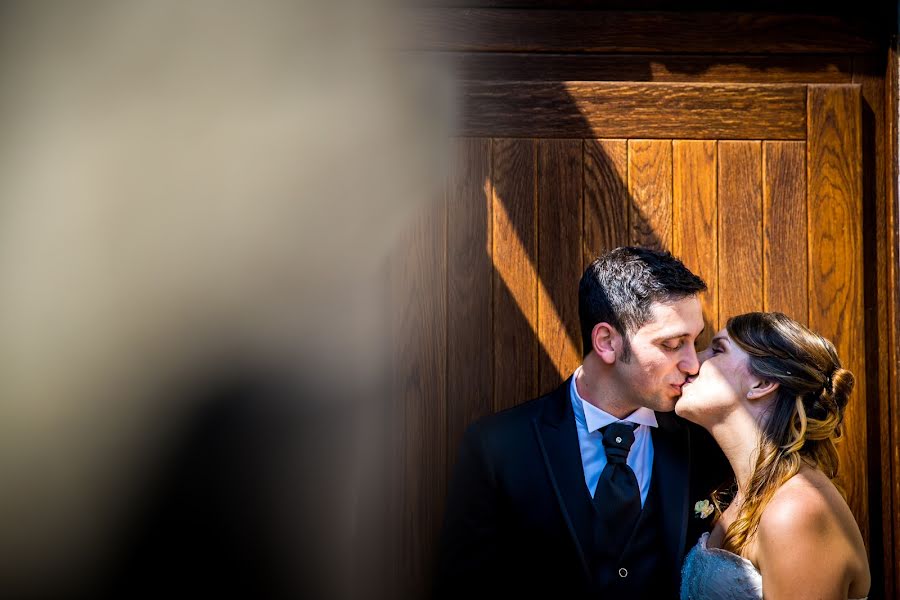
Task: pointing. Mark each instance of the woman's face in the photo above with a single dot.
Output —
(720, 385)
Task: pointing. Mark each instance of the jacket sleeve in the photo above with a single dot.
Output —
(469, 549)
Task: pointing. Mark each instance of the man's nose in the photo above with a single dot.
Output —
(690, 364)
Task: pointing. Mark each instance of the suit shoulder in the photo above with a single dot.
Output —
(510, 421)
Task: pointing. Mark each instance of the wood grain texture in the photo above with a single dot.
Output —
(740, 229)
(632, 110)
(419, 332)
(695, 221)
(469, 287)
(535, 30)
(869, 73)
(606, 200)
(892, 258)
(650, 188)
(835, 263)
(784, 225)
(658, 68)
(514, 238)
(559, 259)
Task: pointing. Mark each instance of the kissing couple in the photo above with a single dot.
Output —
(656, 471)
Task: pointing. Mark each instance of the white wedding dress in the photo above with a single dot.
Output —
(717, 574)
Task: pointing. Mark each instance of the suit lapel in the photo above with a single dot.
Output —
(671, 443)
(558, 441)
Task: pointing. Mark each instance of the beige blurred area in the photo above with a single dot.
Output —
(183, 183)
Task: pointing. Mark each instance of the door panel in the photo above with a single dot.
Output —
(772, 222)
(740, 228)
(835, 262)
(650, 190)
(784, 227)
(515, 281)
(559, 227)
(606, 200)
(695, 220)
(469, 294)
(583, 109)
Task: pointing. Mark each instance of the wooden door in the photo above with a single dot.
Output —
(756, 187)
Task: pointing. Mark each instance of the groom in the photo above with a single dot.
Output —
(589, 491)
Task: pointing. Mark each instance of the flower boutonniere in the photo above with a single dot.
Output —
(703, 508)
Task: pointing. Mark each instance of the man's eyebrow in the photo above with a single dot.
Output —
(671, 336)
(678, 335)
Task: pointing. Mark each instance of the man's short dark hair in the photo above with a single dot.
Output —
(620, 286)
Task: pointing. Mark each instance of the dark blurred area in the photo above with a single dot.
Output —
(197, 202)
(247, 499)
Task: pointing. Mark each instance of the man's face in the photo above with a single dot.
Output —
(662, 355)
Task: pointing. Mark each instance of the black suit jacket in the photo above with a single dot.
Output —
(515, 522)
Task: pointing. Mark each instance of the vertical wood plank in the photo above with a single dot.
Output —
(784, 224)
(835, 262)
(869, 72)
(740, 229)
(514, 213)
(650, 188)
(606, 202)
(559, 259)
(419, 331)
(469, 287)
(694, 223)
(891, 252)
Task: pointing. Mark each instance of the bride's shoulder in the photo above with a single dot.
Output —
(807, 527)
(806, 504)
(803, 502)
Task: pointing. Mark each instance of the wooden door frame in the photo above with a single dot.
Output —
(888, 244)
(489, 43)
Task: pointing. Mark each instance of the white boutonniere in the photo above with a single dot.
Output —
(703, 508)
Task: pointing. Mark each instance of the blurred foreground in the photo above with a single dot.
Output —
(196, 205)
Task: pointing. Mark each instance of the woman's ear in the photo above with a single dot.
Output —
(761, 388)
(606, 341)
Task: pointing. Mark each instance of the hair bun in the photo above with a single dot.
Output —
(842, 382)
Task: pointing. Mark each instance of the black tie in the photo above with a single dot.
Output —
(618, 497)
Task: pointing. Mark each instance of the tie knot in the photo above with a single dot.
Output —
(617, 440)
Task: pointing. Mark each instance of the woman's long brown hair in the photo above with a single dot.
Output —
(804, 422)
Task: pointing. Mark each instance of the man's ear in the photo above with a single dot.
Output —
(761, 388)
(607, 342)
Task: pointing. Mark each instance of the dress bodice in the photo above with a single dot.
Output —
(717, 574)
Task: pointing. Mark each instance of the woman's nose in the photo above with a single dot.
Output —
(702, 356)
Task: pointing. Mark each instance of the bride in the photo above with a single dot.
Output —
(773, 394)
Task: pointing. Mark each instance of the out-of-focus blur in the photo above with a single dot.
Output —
(196, 202)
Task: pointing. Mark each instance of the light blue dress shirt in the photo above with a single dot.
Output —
(588, 421)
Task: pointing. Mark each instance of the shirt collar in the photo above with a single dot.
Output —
(594, 418)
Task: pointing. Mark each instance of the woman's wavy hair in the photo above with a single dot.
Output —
(804, 422)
